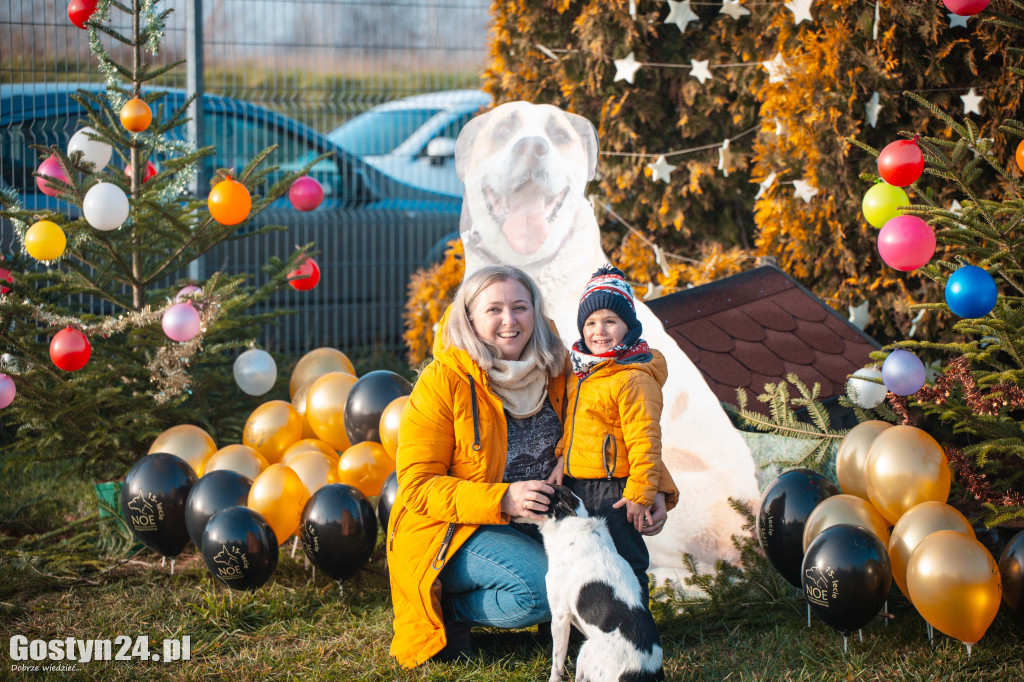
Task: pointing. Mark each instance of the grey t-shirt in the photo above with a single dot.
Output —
(531, 445)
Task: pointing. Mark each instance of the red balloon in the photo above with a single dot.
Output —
(306, 276)
(901, 163)
(70, 349)
(965, 8)
(79, 11)
(150, 171)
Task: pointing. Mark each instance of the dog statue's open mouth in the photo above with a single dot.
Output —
(524, 214)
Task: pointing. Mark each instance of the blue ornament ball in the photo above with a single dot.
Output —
(903, 372)
(971, 292)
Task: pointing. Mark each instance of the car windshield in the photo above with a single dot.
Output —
(379, 132)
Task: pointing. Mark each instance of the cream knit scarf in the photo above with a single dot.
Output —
(521, 385)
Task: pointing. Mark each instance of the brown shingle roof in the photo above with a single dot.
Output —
(756, 327)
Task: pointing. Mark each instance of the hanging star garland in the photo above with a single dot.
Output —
(801, 10)
(972, 102)
(680, 14)
(765, 185)
(804, 190)
(776, 69)
(626, 68)
(734, 9)
(872, 108)
(724, 158)
(957, 20)
(661, 169)
(700, 70)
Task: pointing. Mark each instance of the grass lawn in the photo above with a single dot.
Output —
(61, 575)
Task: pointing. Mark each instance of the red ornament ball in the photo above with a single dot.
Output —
(1020, 155)
(306, 193)
(306, 276)
(149, 173)
(79, 11)
(901, 163)
(6, 276)
(70, 349)
(965, 8)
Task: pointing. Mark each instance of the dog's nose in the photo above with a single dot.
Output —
(530, 148)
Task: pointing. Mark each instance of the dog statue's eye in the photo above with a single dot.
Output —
(559, 136)
(502, 131)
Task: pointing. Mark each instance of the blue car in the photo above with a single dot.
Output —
(372, 229)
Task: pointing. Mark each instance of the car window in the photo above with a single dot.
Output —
(18, 160)
(379, 132)
(453, 128)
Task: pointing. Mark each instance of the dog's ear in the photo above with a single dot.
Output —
(588, 135)
(563, 503)
(465, 141)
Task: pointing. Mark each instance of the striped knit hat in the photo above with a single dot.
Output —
(609, 290)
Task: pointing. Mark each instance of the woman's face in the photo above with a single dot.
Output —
(502, 315)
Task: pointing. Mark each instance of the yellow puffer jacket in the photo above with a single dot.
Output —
(613, 428)
(451, 462)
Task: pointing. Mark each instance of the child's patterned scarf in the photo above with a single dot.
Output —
(583, 363)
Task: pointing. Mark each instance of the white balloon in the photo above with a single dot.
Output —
(96, 152)
(869, 394)
(255, 371)
(105, 206)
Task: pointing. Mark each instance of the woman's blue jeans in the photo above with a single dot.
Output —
(497, 578)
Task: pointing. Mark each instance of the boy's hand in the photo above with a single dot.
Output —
(638, 514)
(556, 475)
(658, 515)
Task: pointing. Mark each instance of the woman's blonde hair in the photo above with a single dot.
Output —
(544, 345)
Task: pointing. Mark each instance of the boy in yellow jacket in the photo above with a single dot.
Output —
(610, 451)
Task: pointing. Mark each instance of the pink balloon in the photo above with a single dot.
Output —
(181, 322)
(306, 193)
(189, 290)
(50, 166)
(7, 391)
(906, 243)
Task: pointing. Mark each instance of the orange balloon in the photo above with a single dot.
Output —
(271, 428)
(914, 526)
(229, 202)
(314, 468)
(365, 466)
(238, 458)
(317, 363)
(136, 115)
(1020, 155)
(845, 509)
(325, 408)
(390, 420)
(307, 445)
(279, 495)
(852, 454)
(191, 443)
(905, 467)
(954, 583)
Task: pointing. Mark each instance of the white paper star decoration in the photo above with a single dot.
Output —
(859, 315)
(700, 70)
(801, 10)
(957, 20)
(734, 9)
(626, 68)
(804, 190)
(776, 69)
(765, 185)
(724, 158)
(661, 169)
(780, 128)
(972, 102)
(680, 14)
(872, 108)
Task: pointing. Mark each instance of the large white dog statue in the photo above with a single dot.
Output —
(525, 169)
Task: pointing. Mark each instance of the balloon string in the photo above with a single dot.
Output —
(163, 561)
(808, 614)
(968, 649)
(172, 566)
(886, 608)
(314, 574)
(341, 589)
(861, 633)
(294, 545)
(844, 644)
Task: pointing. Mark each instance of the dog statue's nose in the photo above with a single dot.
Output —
(531, 147)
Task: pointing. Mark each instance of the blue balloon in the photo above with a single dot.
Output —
(971, 292)
(903, 372)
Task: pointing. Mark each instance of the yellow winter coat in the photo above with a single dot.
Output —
(613, 428)
(451, 462)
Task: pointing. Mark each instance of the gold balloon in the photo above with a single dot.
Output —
(310, 444)
(314, 468)
(191, 443)
(845, 509)
(853, 455)
(905, 467)
(271, 428)
(954, 583)
(238, 458)
(317, 363)
(914, 526)
(365, 466)
(390, 420)
(299, 403)
(279, 495)
(325, 408)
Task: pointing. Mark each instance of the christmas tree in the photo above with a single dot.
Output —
(95, 297)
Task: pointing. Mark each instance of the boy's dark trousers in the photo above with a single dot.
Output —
(598, 496)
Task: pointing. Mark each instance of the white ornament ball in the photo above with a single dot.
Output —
(96, 152)
(105, 206)
(255, 371)
(869, 394)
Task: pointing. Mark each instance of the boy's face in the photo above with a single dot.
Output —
(603, 331)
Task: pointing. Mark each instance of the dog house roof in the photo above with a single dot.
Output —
(758, 326)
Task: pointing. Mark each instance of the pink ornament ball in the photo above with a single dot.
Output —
(181, 322)
(306, 193)
(189, 290)
(51, 167)
(906, 243)
(7, 391)
(965, 8)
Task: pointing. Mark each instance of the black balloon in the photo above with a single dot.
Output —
(153, 501)
(215, 491)
(366, 402)
(387, 500)
(240, 548)
(785, 505)
(1011, 568)
(846, 576)
(338, 530)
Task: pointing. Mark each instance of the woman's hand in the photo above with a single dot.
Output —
(638, 514)
(658, 515)
(556, 475)
(527, 498)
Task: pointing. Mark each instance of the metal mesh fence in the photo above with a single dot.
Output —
(392, 198)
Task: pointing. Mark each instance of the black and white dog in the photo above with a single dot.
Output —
(592, 587)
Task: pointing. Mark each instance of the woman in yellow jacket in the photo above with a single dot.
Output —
(476, 445)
